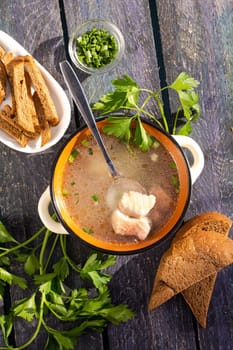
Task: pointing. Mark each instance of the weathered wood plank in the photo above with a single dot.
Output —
(130, 273)
(195, 38)
(133, 19)
(36, 25)
(133, 276)
(159, 329)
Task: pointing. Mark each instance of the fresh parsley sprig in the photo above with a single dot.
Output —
(83, 308)
(125, 99)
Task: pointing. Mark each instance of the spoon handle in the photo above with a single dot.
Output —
(80, 99)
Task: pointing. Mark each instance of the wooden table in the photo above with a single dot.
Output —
(163, 38)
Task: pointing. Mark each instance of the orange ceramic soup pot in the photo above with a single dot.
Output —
(188, 174)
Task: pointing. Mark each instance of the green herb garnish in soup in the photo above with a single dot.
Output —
(85, 142)
(95, 197)
(88, 230)
(92, 174)
(73, 155)
(65, 192)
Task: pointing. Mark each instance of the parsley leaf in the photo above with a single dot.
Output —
(124, 83)
(110, 102)
(5, 236)
(119, 127)
(10, 278)
(126, 96)
(142, 138)
(25, 308)
(87, 308)
(184, 82)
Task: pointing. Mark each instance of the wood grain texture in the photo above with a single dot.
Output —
(134, 21)
(36, 25)
(195, 38)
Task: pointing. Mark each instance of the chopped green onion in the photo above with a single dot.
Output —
(73, 155)
(175, 180)
(95, 198)
(88, 230)
(96, 48)
(85, 142)
(65, 192)
(90, 151)
(172, 165)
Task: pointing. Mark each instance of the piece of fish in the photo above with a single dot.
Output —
(125, 225)
(136, 204)
(164, 204)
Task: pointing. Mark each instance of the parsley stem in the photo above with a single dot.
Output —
(25, 243)
(38, 326)
(175, 121)
(63, 247)
(158, 100)
(147, 100)
(139, 110)
(153, 118)
(42, 252)
(156, 96)
(51, 251)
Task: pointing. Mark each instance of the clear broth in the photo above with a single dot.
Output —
(86, 180)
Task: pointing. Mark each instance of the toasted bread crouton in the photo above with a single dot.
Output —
(7, 59)
(2, 52)
(29, 116)
(31, 106)
(9, 125)
(6, 114)
(23, 113)
(3, 79)
(44, 125)
(42, 90)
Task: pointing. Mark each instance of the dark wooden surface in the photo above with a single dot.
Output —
(163, 38)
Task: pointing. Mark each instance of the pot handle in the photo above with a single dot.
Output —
(43, 210)
(198, 156)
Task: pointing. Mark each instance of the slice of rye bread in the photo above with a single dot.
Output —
(8, 124)
(44, 125)
(3, 80)
(23, 113)
(2, 52)
(31, 105)
(199, 295)
(42, 90)
(189, 261)
(7, 59)
(8, 117)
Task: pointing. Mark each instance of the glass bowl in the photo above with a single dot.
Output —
(112, 29)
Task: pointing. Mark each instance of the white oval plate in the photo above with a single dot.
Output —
(58, 95)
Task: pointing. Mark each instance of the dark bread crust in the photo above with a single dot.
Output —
(42, 90)
(209, 221)
(199, 295)
(10, 126)
(189, 261)
(44, 125)
(3, 80)
(23, 112)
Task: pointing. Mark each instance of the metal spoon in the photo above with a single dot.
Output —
(120, 184)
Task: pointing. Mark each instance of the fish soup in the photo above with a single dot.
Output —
(86, 180)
